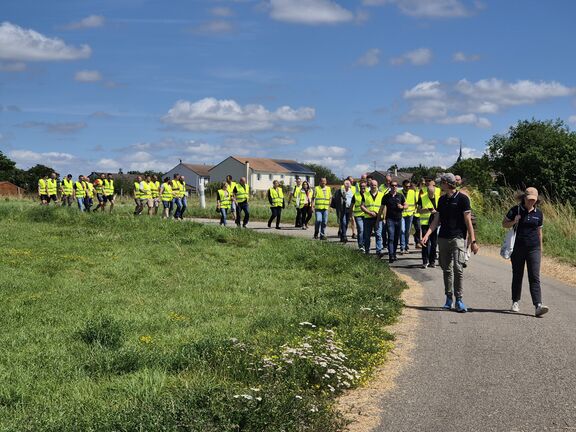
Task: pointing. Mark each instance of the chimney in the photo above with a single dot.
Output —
(396, 172)
(248, 179)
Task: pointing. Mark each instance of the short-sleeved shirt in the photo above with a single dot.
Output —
(452, 209)
(391, 202)
(528, 226)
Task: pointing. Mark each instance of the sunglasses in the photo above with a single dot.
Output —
(394, 185)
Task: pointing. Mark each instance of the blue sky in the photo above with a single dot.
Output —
(137, 84)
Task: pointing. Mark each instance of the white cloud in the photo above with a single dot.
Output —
(211, 114)
(325, 151)
(408, 138)
(59, 128)
(12, 66)
(369, 58)
(429, 8)
(28, 158)
(92, 21)
(88, 76)
(452, 141)
(572, 119)
(310, 12)
(460, 57)
(418, 57)
(335, 164)
(214, 27)
(221, 11)
(19, 44)
(469, 102)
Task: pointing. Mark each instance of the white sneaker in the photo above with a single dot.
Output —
(515, 307)
(541, 310)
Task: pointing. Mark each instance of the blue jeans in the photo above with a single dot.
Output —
(369, 224)
(344, 221)
(80, 202)
(184, 202)
(429, 251)
(242, 206)
(360, 228)
(394, 229)
(405, 232)
(223, 216)
(320, 223)
(178, 203)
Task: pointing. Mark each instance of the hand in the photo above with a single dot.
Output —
(400, 206)
(474, 247)
(433, 211)
(517, 218)
(424, 240)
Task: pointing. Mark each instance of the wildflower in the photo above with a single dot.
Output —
(306, 323)
(145, 339)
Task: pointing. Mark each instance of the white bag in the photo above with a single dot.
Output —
(508, 243)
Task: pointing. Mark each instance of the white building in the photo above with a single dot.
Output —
(261, 172)
(193, 174)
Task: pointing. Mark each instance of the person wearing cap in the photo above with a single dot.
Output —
(455, 223)
(527, 252)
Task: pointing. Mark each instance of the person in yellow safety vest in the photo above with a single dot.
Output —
(146, 194)
(154, 185)
(321, 206)
(89, 198)
(99, 189)
(407, 215)
(109, 191)
(371, 203)
(359, 214)
(230, 185)
(43, 190)
(177, 199)
(354, 186)
(295, 196)
(166, 196)
(183, 196)
(385, 187)
(305, 204)
(79, 193)
(427, 207)
(276, 200)
(67, 191)
(241, 195)
(52, 189)
(223, 202)
(138, 196)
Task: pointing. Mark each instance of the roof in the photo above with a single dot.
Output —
(294, 167)
(262, 164)
(7, 183)
(201, 170)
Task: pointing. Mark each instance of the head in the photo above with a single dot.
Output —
(166, 179)
(323, 181)
(369, 178)
(458, 180)
(373, 186)
(80, 177)
(242, 181)
(228, 178)
(275, 183)
(305, 185)
(53, 176)
(224, 186)
(347, 184)
(69, 177)
(182, 178)
(154, 178)
(298, 181)
(364, 177)
(110, 177)
(530, 197)
(388, 178)
(103, 176)
(406, 184)
(138, 179)
(363, 186)
(176, 176)
(448, 182)
(148, 178)
(393, 186)
(350, 179)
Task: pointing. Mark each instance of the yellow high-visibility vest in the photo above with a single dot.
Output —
(224, 198)
(277, 196)
(242, 192)
(89, 189)
(305, 197)
(373, 204)
(146, 193)
(296, 196)
(167, 192)
(51, 186)
(411, 200)
(137, 193)
(427, 204)
(322, 198)
(99, 188)
(176, 189)
(154, 188)
(108, 187)
(80, 191)
(67, 187)
(358, 212)
(42, 190)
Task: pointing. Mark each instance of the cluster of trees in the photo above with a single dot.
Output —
(26, 179)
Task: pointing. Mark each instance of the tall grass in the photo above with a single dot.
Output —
(111, 322)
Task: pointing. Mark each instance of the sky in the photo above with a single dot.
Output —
(353, 85)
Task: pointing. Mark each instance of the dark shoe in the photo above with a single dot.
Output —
(354, 236)
(390, 260)
(432, 265)
(269, 225)
(464, 265)
(323, 238)
(278, 228)
(315, 237)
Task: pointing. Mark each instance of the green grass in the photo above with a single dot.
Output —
(111, 322)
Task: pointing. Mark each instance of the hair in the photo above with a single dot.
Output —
(166, 179)
(405, 182)
(176, 175)
(305, 183)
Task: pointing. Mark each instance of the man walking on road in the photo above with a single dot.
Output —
(394, 204)
(276, 199)
(241, 196)
(295, 195)
(455, 223)
(371, 204)
(320, 206)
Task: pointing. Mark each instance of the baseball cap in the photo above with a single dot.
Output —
(531, 193)
(448, 178)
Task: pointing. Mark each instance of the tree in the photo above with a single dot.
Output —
(422, 171)
(536, 153)
(476, 172)
(322, 171)
(8, 170)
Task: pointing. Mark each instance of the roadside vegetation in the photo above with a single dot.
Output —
(111, 322)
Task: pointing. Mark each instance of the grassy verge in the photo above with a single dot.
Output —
(117, 323)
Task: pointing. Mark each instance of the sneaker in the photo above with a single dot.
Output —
(315, 237)
(361, 249)
(448, 304)
(390, 260)
(541, 309)
(432, 265)
(269, 225)
(278, 228)
(465, 264)
(515, 307)
(303, 227)
(460, 306)
(424, 266)
(323, 238)
(354, 236)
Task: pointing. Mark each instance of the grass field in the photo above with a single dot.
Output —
(111, 322)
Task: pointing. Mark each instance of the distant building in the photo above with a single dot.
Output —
(10, 189)
(261, 172)
(194, 174)
(398, 176)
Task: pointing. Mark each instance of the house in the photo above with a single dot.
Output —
(10, 189)
(194, 174)
(123, 183)
(398, 176)
(261, 172)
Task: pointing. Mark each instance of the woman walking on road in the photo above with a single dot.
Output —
(305, 203)
(276, 200)
(223, 203)
(528, 219)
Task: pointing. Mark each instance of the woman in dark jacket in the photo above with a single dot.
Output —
(527, 251)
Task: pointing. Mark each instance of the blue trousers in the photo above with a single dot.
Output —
(178, 203)
(223, 216)
(394, 229)
(405, 232)
(369, 225)
(344, 221)
(360, 228)
(184, 201)
(320, 223)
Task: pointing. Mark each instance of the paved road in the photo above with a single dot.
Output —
(488, 369)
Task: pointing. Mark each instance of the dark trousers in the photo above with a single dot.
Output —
(242, 207)
(298, 222)
(394, 229)
(530, 258)
(417, 230)
(306, 214)
(276, 214)
(429, 251)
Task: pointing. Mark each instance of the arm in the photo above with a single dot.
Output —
(471, 236)
(431, 228)
(381, 213)
(270, 197)
(541, 239)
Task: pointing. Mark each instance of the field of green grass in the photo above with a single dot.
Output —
(111, 322)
